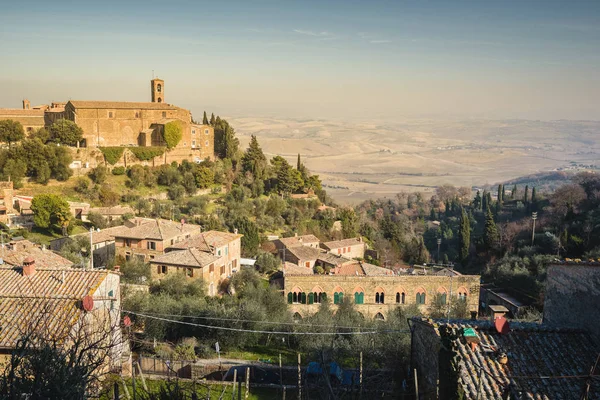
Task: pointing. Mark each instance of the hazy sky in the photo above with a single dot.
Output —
(324, 59)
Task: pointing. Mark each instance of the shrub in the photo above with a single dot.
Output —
(147, 153)
(172, 134)
(118, 171)
(112, 154)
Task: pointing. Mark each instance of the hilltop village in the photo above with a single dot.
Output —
(143, 245)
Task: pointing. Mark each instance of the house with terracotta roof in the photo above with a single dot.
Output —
(146, 239)
(14, 252)
(59, 304)
(109, 213)
(501, 359)
(211, 256)
(349, 248)
(296, 241)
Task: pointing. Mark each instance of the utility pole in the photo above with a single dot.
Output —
(439, 242)
(91, 248)
(533, 217)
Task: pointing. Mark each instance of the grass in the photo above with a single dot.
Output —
(202, 388)
(262, 353)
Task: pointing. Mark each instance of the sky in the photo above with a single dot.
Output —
(311, 59)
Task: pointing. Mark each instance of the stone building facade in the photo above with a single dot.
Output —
(6, 202)
(376, 294)
(572, 296)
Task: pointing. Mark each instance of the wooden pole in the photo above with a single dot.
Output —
(133, 380)
(142, 376)
(281, 377)
(125, 390)
(416, 385)
(116, 391)
(234, 384)
(299, 378)
(247, 383)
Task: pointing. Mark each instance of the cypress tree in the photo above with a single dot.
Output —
(513, 194)
(533, 199)
(490, 233)
(500, 191)
(204, 119)
(503, 193)
(464, 238)
(298, 164)
(489, 199)
(477, 201)
(448, 208)
(212, 119)
(432, 215)
(526, 195)
(484, 201)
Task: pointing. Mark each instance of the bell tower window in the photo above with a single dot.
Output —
(159, 88)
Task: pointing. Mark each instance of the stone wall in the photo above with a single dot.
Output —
(425, 349)
(573, 296)
(389, 285)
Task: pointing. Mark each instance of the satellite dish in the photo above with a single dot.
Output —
(501, 325)
(88, 303)
(127, 321)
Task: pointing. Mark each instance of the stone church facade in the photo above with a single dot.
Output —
(123, 124)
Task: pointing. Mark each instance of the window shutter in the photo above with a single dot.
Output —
(303, 298)
(310, 298)
(290, 297)
(336, 298)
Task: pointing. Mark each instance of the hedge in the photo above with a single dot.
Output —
(147, 153)
(112, 154)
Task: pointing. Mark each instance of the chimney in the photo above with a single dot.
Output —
(497, 312)
(295, 234)
(117, 268)
(29, 266)
(235, 231)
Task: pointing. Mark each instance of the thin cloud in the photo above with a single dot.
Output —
(380, 41)
(313, 33)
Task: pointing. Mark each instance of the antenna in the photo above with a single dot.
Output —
(152, 74)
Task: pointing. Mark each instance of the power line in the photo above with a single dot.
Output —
(260, 331)
(250, 320)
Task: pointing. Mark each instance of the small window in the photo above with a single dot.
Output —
(211, 268)
(206, 131)
(29, 129)
(227, 250)
(164, 113)
(193, 131)
(338, 298)
(222, 269)
(206, 143)
(137, 114)
(400, 298)
(348, 249)
(307, 264)
(185, 143)
(151, 245)
(219, 252)
(164, 269)
(189, 272)
(379, 298)
(110, 114)
(339, 251)
(193, 144)
(421, 298)
(159, 88)
(359, 298)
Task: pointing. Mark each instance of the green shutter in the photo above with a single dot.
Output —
(444, 298)
(290, 297)
(362, 298)
(323, 297)
(303, 298)
(356, 298)
(336, 298)
(310, 298)
(341, 297)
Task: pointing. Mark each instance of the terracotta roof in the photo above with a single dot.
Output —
(295, 241)
(53, 295)
(207, 240)
(105, 235)
(159, 229)
(19, 112)
(533, 351)
(361, 268)
(336, 244)
(293, 269)
(332, 259)
(191, 257)
(304, 252)
(374, 270)
(122, 105)
(16, 252)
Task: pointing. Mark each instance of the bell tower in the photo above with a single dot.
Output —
(158, 90)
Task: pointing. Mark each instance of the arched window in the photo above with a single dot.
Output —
(311, 297)
(290, 298)
(297, 317)
(159, 100)
(462, 293)
(421, 296)
(379, 317)
(338, 298)
(442, 295)
(303, 298)
(159, 88)
(295, 298)
(379, 296)
(397, 297)
(359, 298)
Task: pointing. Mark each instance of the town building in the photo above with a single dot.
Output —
(572, 296)
(6, 202)
(296, 241)
(16, 250)
(102, 244)
(481, 359)
(110, 214)
(145, 239)
(349, 248)
(374, 290)
(212, 256)
(122, 124)
(59, 303)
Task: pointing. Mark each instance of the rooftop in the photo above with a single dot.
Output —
(122, 105)
(191, 257)
(293, 269)
(336, 244)
(158, 229)
(539, 358)
(208, 240)
(295, 241)
(15, 252)
(116, 210)
(304, 252)
(19, 112)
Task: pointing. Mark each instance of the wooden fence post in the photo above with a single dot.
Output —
(234, 384)
(299, 378)
(247, 383)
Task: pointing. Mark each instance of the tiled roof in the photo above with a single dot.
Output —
(19, 112)
(50, 295)
(533, 351)
(336, 244)
(332, 259)
(191, 257)
(207, 240)
(105, 235)
(159, 229)
(16, 252)
(295, 241)
(122, 105)
(293, 269)
(361, 268)
(304, 252)
(374, 270)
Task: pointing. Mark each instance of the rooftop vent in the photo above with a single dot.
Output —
(29, 266)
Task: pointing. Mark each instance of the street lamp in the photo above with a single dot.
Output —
(439, 242)
(533, 217)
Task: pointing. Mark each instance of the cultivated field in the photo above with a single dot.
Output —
(368, 159)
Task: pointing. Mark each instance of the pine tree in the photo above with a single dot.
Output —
(513, 194)
(503, 193)
(526, 195)
(464, 238)
(500, 191)
(533, 200)
(490, 233)
(484, 201)
(448, 210)
(298, 163)
(204, 119)
(489, 199)
(432, 215)
(254, 159)
(212, 119)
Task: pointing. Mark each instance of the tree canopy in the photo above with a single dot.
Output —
(172, 134)
(66, 132)
(50, 211)
(11, 131)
